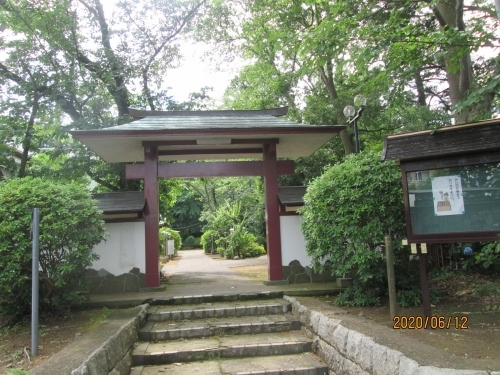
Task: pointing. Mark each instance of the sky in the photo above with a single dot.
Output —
(196, 72)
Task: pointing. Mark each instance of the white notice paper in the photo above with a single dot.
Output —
(447, 195)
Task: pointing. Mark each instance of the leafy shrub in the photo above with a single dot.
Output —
(174, 235)
(241, 242)
(489, 255)
(356, 295)
(189, 243)
(69, 229)
(408, 298)
(254, 251)
(206, 240)
(347, 212)
(486, 289)
(197, 242)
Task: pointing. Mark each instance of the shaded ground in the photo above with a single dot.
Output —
(478, 345)
(54, 334)
(475, 319)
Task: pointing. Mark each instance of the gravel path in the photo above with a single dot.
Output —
(195, 267)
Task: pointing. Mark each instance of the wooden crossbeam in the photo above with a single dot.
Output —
(215, 151)
(211, 169)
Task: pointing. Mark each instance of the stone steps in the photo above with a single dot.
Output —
(298, 364)
(218, 310)
(211, 298)
(156, 331)
(235, 346)
(229, 334)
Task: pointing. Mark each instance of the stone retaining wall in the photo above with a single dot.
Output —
(295, 273)
(104, 282)
(114, 357)
(347, 352)
(105, 350)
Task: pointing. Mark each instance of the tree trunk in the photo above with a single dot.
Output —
(327, 79)
(28, 136)
(420, 89)
(449, 13)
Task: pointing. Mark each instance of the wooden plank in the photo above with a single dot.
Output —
(211, 169)
(216, 151)
(194, 142)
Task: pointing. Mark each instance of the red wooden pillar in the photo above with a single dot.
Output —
(151, 214)
(275, 271)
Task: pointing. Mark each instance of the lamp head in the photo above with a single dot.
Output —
(349, 111)
(359, 100)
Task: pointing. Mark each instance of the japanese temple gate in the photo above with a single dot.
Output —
(157, 136)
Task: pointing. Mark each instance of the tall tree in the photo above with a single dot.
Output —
(81, 65)
(418, 61)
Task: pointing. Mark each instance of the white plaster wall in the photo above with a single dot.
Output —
(123, 249)
(293, 244)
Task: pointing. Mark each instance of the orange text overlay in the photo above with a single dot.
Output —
(434, 322)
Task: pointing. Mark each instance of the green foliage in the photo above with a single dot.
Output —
(207, 240)
(16, 371)
(487, 288)
(189, 242)
(186, 212)
(347, 213)
(69, 229)
(230, 202)
(357, 296)
(408, 298)
(489, 255)
(242, 243)
(174, 235)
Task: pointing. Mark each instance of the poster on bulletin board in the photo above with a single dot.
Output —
(448, 195)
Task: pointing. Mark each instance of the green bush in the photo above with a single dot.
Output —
(197, 242)
(69, 229)
(206, 240)
(254, 251)
(347, 212)
(174, 235)
(489, 255)
(242, 243)
(189, 242)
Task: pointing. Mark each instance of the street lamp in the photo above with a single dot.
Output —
(232, 247)
(166, 251)
(350, 113)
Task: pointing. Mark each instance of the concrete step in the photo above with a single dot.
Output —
(173, 330)
(218, 310)
(296, 364)
(264, 344)
(211, 298)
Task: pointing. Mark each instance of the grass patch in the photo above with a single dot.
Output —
(258, 272)
(97, 318)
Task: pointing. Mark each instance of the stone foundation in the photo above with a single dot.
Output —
(103, 282)
(295, 273)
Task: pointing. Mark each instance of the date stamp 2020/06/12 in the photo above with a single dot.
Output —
(433, 322)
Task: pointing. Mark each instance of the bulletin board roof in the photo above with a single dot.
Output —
(475, 137)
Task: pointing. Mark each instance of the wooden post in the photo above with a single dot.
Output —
(151, 216)
(391, 279)
(426, 301)
(275, 271)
